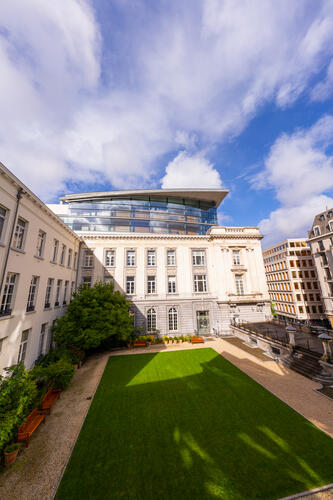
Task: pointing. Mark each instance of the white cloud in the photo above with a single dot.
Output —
(300, 171)
(324, 89)
(195, 171)
(188, 76)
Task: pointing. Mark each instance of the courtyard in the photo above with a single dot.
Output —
(189, 424)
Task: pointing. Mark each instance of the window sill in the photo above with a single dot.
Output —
(17, 250)
(47, 308)
(8, 316)
(53, 262)
(2, 244)
(38, 257)
(31, 312)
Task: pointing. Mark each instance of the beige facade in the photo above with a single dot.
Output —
(321, 243)
(183, 284)
(292, 280)
(28, 261)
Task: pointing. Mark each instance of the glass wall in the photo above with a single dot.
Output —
(142, 215)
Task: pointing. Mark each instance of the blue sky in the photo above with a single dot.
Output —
(114, 94)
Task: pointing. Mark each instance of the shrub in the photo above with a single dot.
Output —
(13, 447)
(57, 375)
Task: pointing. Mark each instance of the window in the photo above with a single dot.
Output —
(130, 285)
(3, 218)
(173, 319)
(58, 290)
(23, 345)
(75, 260)
(109, 258)
(19, 235)
(151, 258)
(88, 258)
(86, 281)
(108, 278)
(330, 225)
(65, 292)
(151, 284)
(130, 258)
(239, 284)
(314, 309)
(48, 293)
(69, 260)
(32, 293)
(171, 284)
(8, 294)
(72, 290)
(55, 250)
(198, 257)
(151, 320)
(171, 257)
(41, 348)
(316, 231)
(300, 309)
(298, 297)
(62, 256)
(40, 243)
(200, 284)
(235, 258)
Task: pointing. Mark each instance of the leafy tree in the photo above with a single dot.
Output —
(18, 394)
(57, 375)
(94, 315)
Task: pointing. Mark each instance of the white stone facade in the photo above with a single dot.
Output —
(196, 311)
(26, 265)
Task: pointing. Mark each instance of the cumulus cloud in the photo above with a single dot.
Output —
(81, 108)
(324, 89)
(195, 171)
(299, 169)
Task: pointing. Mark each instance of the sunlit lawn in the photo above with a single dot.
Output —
(190, 425)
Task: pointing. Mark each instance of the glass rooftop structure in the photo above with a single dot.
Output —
(142, 211)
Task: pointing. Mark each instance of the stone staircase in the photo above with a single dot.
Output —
(307, 364)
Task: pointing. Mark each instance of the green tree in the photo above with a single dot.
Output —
(95, 314)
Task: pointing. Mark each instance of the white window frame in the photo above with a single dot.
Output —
(63, 255)
(316, 231)
(151, 284)
(32, 295)
(69, 257)
(64, 300)
(20, 234)
(199, 258)
(200, 281)
(239, 281)
(3, 222)
(42, 337)
(151, 258)
(88, 258)
(130, 258)
(72, 290)
(130, 285)
(8, 296)
(58, 293)
(40, 243)
(151, 320)
(173, 319)
(172, 288)
(330, 225)
(171, 258)
(48, 293)
(87, 281)
(236, 257)
(75, 260)
(55, 250)
(110, 257)
(23, 345)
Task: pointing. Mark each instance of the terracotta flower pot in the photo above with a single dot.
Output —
(10, 458)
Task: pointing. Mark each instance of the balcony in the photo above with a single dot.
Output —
(5, 312)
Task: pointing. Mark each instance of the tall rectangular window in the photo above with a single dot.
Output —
(69, 259)
(109, 258)
(151, 284)
(130, 258)
(198, 257)
(86, 281)
(151, 258)
(75, 260)
(23, 345)
(41, 348)
(72, 290)
(49, 288)
(40, 243)
(171, 257)
(200, 283)
(19, 235)
(58, 290)
(65, 292)
(62, 256)
(88, 258)
(171, 284)
(239, 284)
(130, 285)
(55, 250)
(32, 293)
(3, 217)
(7, 301)
(235, 258)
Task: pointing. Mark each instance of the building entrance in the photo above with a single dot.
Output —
(203, 322)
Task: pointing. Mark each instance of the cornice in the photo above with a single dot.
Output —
(180, 237)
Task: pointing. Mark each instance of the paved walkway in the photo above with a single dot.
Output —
(38, 470)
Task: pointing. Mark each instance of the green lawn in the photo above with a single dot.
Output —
(190, 425)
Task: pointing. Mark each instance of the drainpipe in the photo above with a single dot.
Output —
(78, 265)
(18, 198)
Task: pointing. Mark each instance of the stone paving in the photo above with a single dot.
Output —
(38, 470)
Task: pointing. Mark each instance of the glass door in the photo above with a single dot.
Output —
(203, 322)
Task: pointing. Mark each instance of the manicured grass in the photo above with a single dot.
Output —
(190, 425)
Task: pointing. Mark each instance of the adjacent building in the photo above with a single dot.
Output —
(321, 243)
(292, 281)
(164, 250)
(38, 262)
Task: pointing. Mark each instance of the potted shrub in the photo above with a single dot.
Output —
(11, 452)
(166, 340)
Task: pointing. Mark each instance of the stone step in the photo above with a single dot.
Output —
(308, 367)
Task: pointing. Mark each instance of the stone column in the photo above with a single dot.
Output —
(326, 341)
(291, 332)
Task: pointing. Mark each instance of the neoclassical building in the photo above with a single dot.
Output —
(163, 248)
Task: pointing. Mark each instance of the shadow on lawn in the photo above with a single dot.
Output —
(192, 427)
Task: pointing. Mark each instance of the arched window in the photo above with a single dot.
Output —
(151, 320)
(173, 319)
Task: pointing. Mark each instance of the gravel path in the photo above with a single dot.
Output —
(37, 472)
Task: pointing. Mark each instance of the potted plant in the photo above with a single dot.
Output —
(166, 339)
(11, 452)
